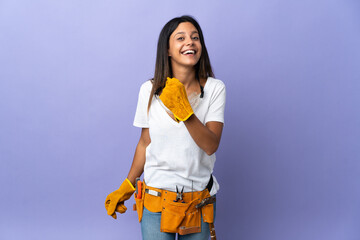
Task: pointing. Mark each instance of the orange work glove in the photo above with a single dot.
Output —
(174, 97)
(115, 200)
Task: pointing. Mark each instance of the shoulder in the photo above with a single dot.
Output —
(214, 84)
(146, 87)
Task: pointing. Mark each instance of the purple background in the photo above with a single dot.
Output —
(288, 164)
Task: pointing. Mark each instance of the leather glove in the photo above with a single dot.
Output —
(174, 97)
(115, 200)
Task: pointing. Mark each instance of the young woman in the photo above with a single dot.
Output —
(181, 114)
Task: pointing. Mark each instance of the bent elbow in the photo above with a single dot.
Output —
(210, 151)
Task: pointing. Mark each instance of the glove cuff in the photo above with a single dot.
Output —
(130, 184)
(126, 189)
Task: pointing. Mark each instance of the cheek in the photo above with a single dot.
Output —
(172, 49)
(171, 52)
(200, 50)
(199, 47)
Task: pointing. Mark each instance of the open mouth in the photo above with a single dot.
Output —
(189, 52)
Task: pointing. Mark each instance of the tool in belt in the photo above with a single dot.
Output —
(179, 195)
(206, 201)
(203, 203)
(159, 195)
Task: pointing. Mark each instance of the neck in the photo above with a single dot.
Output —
(185, 75)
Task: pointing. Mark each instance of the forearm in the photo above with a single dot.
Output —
(137, 167)
(206, 137)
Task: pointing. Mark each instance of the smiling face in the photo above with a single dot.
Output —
(184, 45)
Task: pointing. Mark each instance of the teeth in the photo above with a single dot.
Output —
(189, 52)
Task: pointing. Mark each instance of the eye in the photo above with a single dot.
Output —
(180, 38)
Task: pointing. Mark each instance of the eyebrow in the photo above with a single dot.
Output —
(184, 33)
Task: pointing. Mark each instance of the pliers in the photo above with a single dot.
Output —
(179, 195)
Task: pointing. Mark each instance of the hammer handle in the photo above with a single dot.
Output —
(212, 231)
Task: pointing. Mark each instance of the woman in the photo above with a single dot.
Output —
(181, 113)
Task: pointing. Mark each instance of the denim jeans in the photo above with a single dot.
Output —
(150, 228)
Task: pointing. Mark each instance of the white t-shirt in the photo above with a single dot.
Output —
(173, 158)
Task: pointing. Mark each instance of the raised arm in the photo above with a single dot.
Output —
(208, 136)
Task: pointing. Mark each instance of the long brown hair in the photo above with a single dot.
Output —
(163, 65)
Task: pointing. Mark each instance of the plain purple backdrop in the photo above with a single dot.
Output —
(289, 161)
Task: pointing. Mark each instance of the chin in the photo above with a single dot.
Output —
(188, 63)
(191, 63)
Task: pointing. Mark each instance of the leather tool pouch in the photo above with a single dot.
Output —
(177, 215)
(185, 218)
(153, 203)
(208, 213)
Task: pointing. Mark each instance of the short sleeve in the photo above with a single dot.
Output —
(217, 103)
(141, 114)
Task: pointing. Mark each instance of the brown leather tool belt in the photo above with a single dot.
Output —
(181, 216)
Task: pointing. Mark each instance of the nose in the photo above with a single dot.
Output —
(189, 41)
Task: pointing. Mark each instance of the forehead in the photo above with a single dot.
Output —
(185, 27)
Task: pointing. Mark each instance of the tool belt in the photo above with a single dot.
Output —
(184, 216)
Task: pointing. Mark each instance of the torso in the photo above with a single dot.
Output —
(172, 157)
